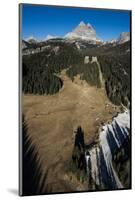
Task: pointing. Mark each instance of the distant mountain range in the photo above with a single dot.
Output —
(84, 32)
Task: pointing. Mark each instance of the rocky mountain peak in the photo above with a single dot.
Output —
(82, 24)
(124, 37)
(83, 32)
(32, 40)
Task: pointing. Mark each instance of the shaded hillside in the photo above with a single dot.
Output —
(40, 67)
(108, 49)
(116, 72)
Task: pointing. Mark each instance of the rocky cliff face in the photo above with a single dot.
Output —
(124, 37)
(84, 32)
(107, 160)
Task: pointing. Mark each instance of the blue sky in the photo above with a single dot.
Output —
(40, 21)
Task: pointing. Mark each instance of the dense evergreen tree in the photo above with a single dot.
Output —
(88, 72)
(116, 72)
(40, 69)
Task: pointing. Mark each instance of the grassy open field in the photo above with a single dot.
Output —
(51, 121)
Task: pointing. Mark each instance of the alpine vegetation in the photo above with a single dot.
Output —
(76, 99)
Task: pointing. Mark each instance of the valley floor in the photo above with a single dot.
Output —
(51, 121)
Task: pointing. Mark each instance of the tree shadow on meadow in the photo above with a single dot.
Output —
(78, 155)
(33, 181)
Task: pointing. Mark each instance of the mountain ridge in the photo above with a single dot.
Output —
(83, 32)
